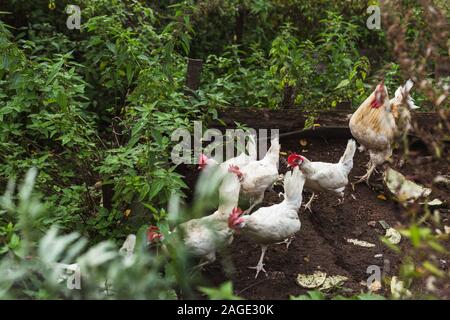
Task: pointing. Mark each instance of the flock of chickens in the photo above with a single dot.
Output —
(375, 125)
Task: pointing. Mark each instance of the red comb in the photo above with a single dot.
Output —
(202, 159)
(153, 234)
(236, 170)
(292, 159)
(235, 218)
(379, 91)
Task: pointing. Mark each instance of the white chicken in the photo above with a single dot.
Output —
(270, 225)
(324, 176)
(203, 237)
(373, 126)
(259, 175)
(241, 160)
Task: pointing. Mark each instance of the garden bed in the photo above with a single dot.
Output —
(321, 243)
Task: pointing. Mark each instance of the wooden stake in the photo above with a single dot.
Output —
(193, 73)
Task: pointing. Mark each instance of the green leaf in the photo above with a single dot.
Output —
(54, 70)
(14, 241)
(342, 84)
(433, 269)
(61, 99)
(370, 296)
(155, 188)
(224, 292)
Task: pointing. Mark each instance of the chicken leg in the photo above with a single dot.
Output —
(287, 241)
(260, 265)
(366, 177)
(308, 205)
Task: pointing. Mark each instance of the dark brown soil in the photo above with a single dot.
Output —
(321, 243)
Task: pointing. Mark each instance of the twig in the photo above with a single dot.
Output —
(251, 286)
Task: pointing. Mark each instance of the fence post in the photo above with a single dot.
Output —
(194, 70)
(289, 95)
(240, 22)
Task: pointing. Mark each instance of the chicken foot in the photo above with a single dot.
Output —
(308, 205)
(287, 241)
(366, 176)
(260, 266)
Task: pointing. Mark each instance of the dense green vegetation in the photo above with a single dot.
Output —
(92, 111)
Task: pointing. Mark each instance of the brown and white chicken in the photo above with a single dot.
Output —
(203, 237)
(373, 126)
(324, 176)
(271, 225)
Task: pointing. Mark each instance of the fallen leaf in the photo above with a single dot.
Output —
(393, 236)
(435, 203)
(375, 286)
(403, 188)
(333, 281)
(381, 197)
(384, 224)
(398, 289)
(361, 243)
(127, 213)
(311, 280)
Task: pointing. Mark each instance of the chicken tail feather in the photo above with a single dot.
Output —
(347, 157)
(274, 151)
(251, 147)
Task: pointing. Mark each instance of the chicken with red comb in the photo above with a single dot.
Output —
(154, 234)
(259, 175)
(203, 237)
(324, 176)
(373, 126)
(271, 225)
(234, 220)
